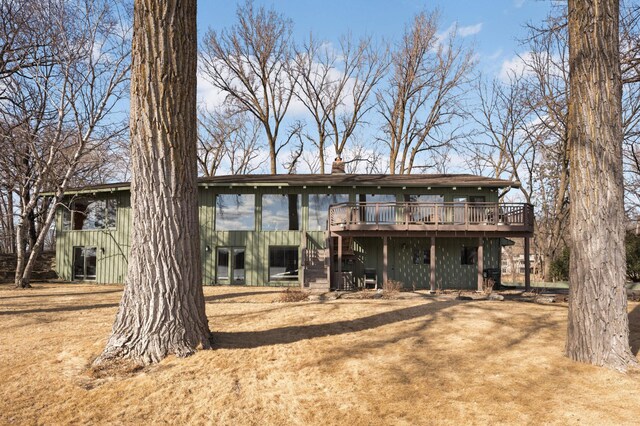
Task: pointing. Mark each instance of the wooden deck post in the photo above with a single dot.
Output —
(432, 266)
(480, 263)
(304, 257)
(527, 265)
(339, 266)
(385, 257)
(329, 248)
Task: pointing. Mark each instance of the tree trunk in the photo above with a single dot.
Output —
(598, 324)
(162, 310)
(21, 254)
(548, 260)
(273, 167)
(10, 225)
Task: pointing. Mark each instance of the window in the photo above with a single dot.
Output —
(319, 207)
(84, 263)
(235, 212)
(377, 198)
(426, 256)
(469, 255)
(422, 256)
(88, 215)
(281, 212)
(283, 263)
(372, 213)
(424, 213)
(425, 198)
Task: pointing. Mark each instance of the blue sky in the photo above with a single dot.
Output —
(494, 26)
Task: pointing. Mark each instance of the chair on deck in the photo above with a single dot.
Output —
(370, 278)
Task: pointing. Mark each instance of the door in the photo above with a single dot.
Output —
(230, 268)
(84, 263)
(237, 276)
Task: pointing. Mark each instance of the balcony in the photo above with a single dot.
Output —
(456, 218)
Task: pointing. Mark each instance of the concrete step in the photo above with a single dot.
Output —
(314, 273)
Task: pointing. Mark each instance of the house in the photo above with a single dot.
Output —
(338, 231)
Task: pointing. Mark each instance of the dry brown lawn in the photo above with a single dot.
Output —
(420, 360)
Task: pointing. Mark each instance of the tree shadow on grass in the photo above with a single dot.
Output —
(292, 334)
(65, 308)
(217, 297)
(88, 293)
(634, 330)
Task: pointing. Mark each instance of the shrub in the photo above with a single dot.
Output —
(632, 247)
(392, 286)
(559, 269)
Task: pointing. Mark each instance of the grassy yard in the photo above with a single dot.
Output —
(417, 360)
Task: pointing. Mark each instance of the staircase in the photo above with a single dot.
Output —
(315, 270)
(347, 246)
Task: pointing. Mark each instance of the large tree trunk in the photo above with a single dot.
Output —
(598, 327)
(162, 309)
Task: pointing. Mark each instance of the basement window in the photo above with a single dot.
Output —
(469, 255)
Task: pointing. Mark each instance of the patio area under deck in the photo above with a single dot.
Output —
(449, 220)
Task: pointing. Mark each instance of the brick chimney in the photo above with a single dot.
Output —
(337, 167)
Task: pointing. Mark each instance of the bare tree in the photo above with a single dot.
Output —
(252, 63)
(365, 158)
(162, 309)
(227, 140)
(336, 87)
(630, 41)
(547, 86)
(422, 100)
(54, 123)
(504, 144)
(598, 326)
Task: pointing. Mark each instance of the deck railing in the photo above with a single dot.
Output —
(475, 216)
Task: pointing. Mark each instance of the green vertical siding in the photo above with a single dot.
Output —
(113, 245)
(449, 271)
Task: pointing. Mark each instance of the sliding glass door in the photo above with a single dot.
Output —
(84, 263)
(230, 265)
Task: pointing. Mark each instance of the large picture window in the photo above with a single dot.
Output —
(87, 215)
(372, 213)
(319, 207)
(281, 212)
(425, 198)
(283, 263)
(235, 212)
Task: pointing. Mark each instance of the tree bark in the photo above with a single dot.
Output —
(21, 255)
(162, 310)
(598, 326)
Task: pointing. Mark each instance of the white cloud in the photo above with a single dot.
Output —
(470, 30)
(514, 66)
(518, 3)
(495, 55)
(209, 95)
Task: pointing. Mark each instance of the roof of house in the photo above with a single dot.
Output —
(360, 180)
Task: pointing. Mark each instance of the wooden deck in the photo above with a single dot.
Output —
(454, 218)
